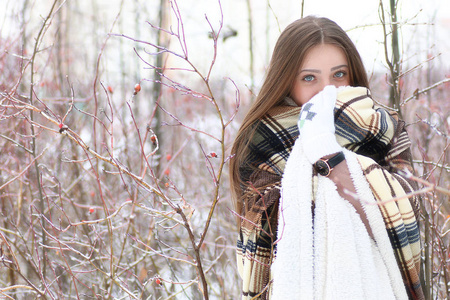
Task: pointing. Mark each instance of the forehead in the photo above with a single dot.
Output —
(323, 56)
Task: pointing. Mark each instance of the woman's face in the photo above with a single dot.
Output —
(324, 64)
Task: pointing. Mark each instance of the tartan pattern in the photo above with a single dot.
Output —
(383, 144)
(400, 221)
(255, 245)
(360, 127)
(274, 138)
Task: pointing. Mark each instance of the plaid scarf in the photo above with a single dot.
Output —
(382, 145)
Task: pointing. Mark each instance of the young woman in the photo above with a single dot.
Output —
(320, 178)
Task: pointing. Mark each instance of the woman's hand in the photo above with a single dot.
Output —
(316, 125)
(317, 136)
(346, 189)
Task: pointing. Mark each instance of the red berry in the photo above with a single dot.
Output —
(213, 154)
(110, 89)
(62, 127)
(153, 139)
(168, 157)
(91, 210)
(137, 88)
(167, 171)
(158, 281)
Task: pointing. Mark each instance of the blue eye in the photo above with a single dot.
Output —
(339, 74)
(308, 78)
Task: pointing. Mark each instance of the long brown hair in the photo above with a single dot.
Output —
(287, 57)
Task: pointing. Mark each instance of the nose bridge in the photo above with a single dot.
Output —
(326, 81)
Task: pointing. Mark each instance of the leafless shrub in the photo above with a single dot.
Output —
(424, 105)
(97, 200)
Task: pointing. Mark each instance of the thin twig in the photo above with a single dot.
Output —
(417, 93)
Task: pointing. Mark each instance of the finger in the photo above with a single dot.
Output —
(330, 95)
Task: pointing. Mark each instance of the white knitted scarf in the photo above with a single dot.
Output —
(331, 256)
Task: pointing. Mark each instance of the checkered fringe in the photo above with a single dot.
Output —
(383, 146)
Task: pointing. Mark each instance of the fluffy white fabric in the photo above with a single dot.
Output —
(334, 258)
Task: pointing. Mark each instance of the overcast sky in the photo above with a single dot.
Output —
(355, 13)
(420, 38)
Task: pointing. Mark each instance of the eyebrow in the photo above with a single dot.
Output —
(318, 71)
(338, 67)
